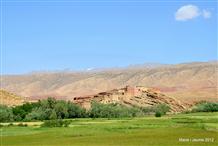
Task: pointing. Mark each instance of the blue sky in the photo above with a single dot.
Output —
(80, 35)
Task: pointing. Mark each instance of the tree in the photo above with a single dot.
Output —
(48, 103)
(36, 114)
(162, 108)
(61, 109)
(53, 115)
(21, 111)
(75, 111)
(6, 114)
(51, 102)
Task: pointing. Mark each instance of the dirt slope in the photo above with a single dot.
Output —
(10, 99)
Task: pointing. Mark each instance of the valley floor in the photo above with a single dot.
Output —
(196, 129)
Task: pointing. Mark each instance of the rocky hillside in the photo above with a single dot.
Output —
(10, 99)
(189, 82)
(132, 96)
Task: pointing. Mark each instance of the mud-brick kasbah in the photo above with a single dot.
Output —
(112, 96)
(131, 96)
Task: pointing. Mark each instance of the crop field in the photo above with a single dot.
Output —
(196, 129)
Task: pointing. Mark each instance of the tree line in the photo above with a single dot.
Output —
(51, 109)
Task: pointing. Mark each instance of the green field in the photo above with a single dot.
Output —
(197, 129)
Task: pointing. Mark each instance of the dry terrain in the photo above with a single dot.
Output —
(189, 82)
(10, 99)
(138, 96)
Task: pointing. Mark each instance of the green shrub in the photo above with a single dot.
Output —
(56, 123)
(158, 114)
(147, 110)
(66, 123)
(206, 107)
(10, 124)
(99, 110)
(22, 125)
(52, 123)
(161, 108)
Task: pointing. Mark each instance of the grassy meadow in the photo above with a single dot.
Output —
(195, 129)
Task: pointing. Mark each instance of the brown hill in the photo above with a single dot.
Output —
(189, 82)
(132, 96)
(10, 99)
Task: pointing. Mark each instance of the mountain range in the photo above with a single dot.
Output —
(188, 82)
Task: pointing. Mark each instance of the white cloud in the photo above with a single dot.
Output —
(189, 12)
(206, 14)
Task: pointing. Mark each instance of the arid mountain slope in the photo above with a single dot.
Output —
(188, 82)
(137, 96)
(10, 99)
